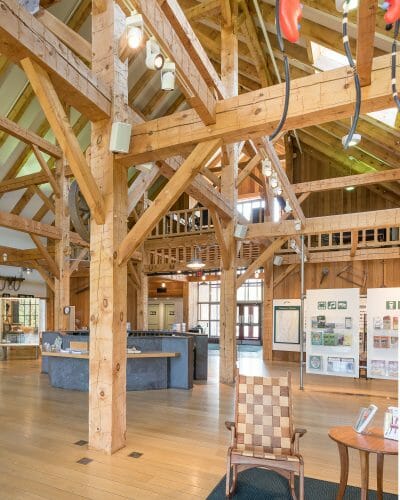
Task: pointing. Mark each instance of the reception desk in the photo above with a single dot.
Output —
(164, 362)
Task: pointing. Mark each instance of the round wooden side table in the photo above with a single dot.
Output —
(370, 442)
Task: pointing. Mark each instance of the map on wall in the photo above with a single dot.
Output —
(286, 325)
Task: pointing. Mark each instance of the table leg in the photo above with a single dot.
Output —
(364, 461)
(379, 475)
(344, 470)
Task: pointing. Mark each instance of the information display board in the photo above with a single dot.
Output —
(383, 312)
(286, 325)
(331, 322)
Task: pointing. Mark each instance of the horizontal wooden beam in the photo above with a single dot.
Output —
(317, 98)
(23, 182)
(23, 36)
(327, 224)
(58, 120)
(29, 137)
(167, 197)
(67, 35)
(347, 181)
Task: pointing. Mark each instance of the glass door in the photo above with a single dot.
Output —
(248, 325)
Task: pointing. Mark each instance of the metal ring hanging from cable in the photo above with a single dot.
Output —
(352, 64)
(394, 49)
(287, 74)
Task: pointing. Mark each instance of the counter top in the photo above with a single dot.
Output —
(149, 354)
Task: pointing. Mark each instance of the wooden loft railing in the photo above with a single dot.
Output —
(167, 252)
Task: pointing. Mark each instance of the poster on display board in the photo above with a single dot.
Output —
(286, 325)
(331, 323)
(383, 312)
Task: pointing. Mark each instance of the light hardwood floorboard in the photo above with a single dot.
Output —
(180, 433)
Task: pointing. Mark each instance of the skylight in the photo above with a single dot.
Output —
(326, 59)
(387, 116)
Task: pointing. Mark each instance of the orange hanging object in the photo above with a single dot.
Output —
(290, 13)
(392, 8)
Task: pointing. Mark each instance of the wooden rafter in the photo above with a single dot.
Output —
(46, 255)
(169, 194)
(44, 166)
(139, 186)
(55, 114)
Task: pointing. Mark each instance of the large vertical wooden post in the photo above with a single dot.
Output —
(267, 320)
(62, 250)
(227, 342)
(108, 281)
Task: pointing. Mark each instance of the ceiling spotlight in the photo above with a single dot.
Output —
(273, 180)
(5, 257)
(134, 27)
(203, 278)
(168, 74)
(288, 209)
(257, 274)
(266, 167)
(163, 285)
(154, 58)
(350, 188)
(354, 141)
(351, 5)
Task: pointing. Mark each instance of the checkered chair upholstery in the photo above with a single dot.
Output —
(263, 433)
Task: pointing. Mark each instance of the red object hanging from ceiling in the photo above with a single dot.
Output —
(392, 11)
(290, 12)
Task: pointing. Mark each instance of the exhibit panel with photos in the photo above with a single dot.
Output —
(331, 323)
(286, 325)
(383, 307)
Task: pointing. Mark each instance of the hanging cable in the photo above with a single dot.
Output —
(287, 74)
(394, 49)
(352, 64)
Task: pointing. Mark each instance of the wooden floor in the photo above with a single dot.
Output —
(181, 435)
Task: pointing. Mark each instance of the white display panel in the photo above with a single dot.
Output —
(383, 312)
(286, 321)
(331, 323)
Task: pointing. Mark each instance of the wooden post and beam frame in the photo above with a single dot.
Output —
(230, 162)
(166, 198)
(108, 280)
(58, 120)
(62, 290)
(366, 26)
(317, 98)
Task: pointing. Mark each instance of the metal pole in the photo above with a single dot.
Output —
(302, 297)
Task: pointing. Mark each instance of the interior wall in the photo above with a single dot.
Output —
(340, 201)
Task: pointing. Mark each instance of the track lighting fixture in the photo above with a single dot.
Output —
(134, 27)
(267, 167)
(168, 75)
(288, 209)
(154, 58)
(273, 180)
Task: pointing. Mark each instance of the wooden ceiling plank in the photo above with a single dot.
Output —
(62, 129)
(166, 198)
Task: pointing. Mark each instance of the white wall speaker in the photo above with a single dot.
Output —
(120, 137)
(278, 259)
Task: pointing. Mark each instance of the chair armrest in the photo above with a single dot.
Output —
(229, 425)
(298, 433)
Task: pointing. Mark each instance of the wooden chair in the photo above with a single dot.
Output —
(262, 434)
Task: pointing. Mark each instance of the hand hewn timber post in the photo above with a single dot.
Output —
(108, 280)
(229, 77)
